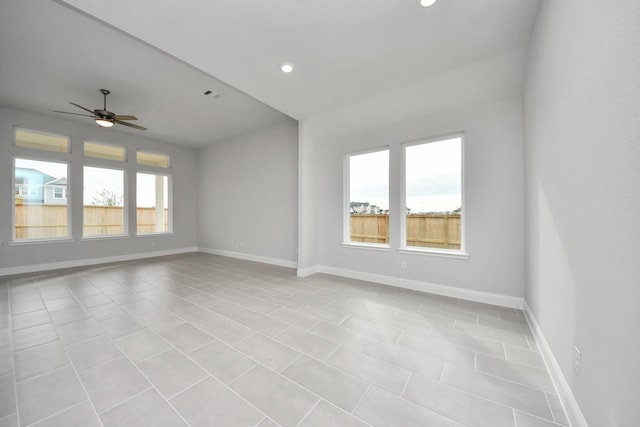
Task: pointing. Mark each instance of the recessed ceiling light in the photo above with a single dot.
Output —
(286, 67)
(427, 3)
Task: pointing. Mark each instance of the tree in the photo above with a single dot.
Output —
(107, 198)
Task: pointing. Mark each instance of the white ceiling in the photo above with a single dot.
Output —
(343, 51)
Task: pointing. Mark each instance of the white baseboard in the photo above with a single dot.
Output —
(33, 268)
(568, 400)
(449, 291)
(307, 271)
(249, 257)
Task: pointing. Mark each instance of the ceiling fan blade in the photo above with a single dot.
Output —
(131, 125)
(80, 106)
(117, 117)
(75, 114)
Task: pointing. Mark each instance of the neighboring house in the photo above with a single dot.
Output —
(55, 192)
(366, 208)
(30, 185)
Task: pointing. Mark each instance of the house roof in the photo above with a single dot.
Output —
(58, 181)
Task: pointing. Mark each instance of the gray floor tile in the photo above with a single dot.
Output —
(6, 359)
(282, 400)
(385, 375)
(94, 300)
(79, 331)
(171, 372)
(294, 318)
(223, 362)
(449, 352)
(263, 324)
(27, 306)
(231, 310)
(258, 305)
(267, 351)
(341, 335)
(106, 311)
(142, 345)
(515, 372)
(203, 299)
(526, 420)
(113, 383)
(38, 360)
(9, 420)
(186, 337)
(159, 320)
(380, 408)
(141, 307)
(210, 403)
(120, 326)
(227, 330)
(27, 320)
(457, 404)
(376, 330)
(326, 414)
(93, 352)
(480, 345)
(266, 422)
(286, 301)
(47, 394)
(196, 315)
(145, 409)
(33, 336)
(505, 392)
(524, 357)
(125, 297)
(69, 315)
(492, 334)
(505, 325)
(323, 313)
(557, 410)
(307, 343)
(81, 414)
(326, 381)
(7, 396)
(61, 303)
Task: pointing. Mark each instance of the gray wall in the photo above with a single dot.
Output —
(248, 199)
(582, 151)
(13, 256)
(494, 204)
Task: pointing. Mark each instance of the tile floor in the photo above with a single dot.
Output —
(203, 340)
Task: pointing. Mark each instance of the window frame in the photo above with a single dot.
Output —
(346, 202)
(16, 129)
(450, 253)
(161, 172)
(89, 158)
(106, 164)
(23, 155)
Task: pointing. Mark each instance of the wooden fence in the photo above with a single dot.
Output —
(40, 221)
(432, 231)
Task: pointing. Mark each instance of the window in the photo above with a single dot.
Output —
(152, 202)
(433, 194)
(103, 210)
(59, 193)
(38, 214)
(41, 141)
(104, 151)
(152, 159)
(367, 201)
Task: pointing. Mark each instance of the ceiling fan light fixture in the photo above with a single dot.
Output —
(427, 3)
(104, 123)
(286, 67)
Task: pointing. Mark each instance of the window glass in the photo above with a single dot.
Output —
(39, 213)
(103, 210)
(41, 141)
(104, 151)
(152, 200)
(368, 209)
(433, 189)
(152, 159)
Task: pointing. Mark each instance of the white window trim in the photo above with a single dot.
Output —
(69, 236)
(449, 253)
(346, 202)
(169, 200)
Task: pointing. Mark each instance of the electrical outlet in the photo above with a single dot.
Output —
(577, 360)
(403, 264)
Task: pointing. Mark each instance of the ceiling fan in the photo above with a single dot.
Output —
(105, 118)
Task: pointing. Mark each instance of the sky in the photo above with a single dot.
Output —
(433, 177)
(98, 179)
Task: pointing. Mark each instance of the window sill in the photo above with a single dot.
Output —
(365, 246)
(94, 238)
(39, 241)
(434, 252)
(160, 233)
